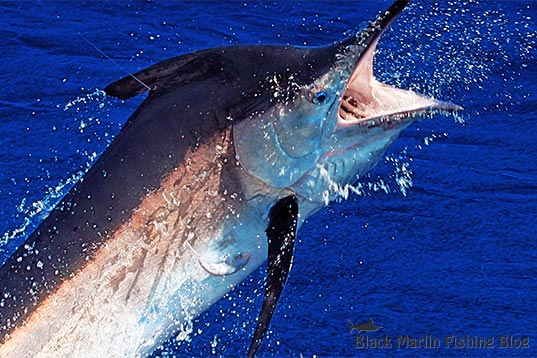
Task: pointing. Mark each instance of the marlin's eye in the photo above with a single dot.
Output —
(319, 97)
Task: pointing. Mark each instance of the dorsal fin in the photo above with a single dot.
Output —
(139, 82)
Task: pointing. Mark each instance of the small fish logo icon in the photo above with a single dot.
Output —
(363, 327)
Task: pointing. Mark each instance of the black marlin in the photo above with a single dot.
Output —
(230, 152)
(368, 326)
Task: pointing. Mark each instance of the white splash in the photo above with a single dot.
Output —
(97, 95)
(41, 208)
(401, 176)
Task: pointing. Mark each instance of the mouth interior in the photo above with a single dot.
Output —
(366, 100)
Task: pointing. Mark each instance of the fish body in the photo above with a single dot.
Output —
(212, 175)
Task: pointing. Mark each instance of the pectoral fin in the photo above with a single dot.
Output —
(281, 233)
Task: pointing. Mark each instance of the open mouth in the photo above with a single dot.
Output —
(370, 103)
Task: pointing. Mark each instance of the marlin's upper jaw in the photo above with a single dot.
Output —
(367, 102)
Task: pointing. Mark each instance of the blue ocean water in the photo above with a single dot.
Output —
(439, 243)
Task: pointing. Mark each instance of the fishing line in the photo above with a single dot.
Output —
(115, 62)
(58, 16)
